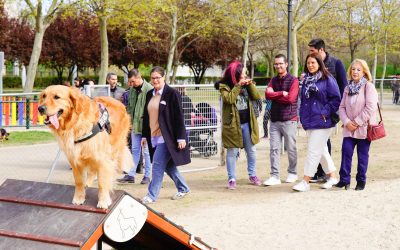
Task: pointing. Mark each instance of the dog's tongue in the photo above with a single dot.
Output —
(54, 120)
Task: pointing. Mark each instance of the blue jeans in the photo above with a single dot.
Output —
(162, 162)
(232, 154)
(136, 151)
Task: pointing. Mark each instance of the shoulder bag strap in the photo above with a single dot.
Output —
(379, 109)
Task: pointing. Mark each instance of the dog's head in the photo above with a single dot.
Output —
(58, 103)
(3, 134)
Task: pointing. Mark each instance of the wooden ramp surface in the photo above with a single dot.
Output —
(37, 215)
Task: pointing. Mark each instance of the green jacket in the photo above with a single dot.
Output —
(231, 130)
(136, 106)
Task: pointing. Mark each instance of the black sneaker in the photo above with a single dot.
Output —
(314, 179)
(145, 180)
(126, 179)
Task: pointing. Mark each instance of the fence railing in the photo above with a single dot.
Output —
(20, 110)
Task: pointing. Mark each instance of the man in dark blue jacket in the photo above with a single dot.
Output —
(336, 68)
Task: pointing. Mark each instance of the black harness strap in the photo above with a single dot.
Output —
(103, 123)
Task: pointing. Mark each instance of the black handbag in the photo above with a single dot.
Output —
(335, 118)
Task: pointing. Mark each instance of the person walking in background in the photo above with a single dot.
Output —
(358, 107)
(187, 106)
(395, 85)
(320, 98)
(283, 90)
(266, 117)
(116, 92)
(135, 107)
(336, 68)
(165, 133)
(239, 122)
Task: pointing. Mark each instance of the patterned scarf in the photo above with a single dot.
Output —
(354, 88)
(309, 83)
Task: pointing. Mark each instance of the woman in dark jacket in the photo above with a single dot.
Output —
(164, 130)
(320, 99)
(239, 122)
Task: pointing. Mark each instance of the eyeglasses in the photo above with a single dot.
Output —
(156, 78)
(278, 64)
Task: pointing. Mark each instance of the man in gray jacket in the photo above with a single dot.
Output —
(116, 92)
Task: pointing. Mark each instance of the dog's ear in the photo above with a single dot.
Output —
(76, 98)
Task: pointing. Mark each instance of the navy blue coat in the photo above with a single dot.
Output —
(315, 112)
(170, 119)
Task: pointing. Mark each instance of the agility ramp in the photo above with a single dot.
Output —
(36, 215)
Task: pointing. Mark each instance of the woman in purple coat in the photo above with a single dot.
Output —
(320, 99)
(358, 107)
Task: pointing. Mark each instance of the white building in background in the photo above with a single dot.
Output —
(185, 71)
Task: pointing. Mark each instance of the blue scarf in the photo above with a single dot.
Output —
(354, 88)
(309, 83)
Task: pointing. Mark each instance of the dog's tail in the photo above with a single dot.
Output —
(125, 161)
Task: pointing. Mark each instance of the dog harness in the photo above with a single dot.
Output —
(103, 123)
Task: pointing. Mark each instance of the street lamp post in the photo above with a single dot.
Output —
(290, 17)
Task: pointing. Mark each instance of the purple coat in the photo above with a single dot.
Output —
(315, 112)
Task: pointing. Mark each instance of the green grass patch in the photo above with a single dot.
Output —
(27, 138)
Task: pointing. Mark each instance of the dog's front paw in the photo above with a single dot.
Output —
(78, 200)
(104, 203)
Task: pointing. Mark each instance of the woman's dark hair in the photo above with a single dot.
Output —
(158, 69)
(322, 68)
(231, 75)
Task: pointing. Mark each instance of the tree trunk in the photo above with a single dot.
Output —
(125, 69)
(295, 58)
(104, 50)
(172, 46)
(245, 49)
(174, 71)
(384, 68)
(36, 50)
(251, 61)
(375, 65)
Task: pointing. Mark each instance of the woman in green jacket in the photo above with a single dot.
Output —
(239, 122)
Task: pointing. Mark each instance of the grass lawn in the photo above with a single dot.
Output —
(27, 138)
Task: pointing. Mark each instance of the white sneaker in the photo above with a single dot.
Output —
(179, 195)
(302, 186)
(330, 183)
(272, 181)
(147, 200)
(291, 178)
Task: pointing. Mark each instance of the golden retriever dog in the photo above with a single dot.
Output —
(71, 116)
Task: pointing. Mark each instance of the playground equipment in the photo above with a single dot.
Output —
(38, 215)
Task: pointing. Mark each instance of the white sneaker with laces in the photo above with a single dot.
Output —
(272, 181)
(302, 186)
(147, 200)
(291, 178)
(330, 183)
(179, 195)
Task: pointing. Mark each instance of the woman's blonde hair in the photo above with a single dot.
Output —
(364, 66)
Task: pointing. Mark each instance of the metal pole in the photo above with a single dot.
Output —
(53, 165)
(1, 71)
(290, 18)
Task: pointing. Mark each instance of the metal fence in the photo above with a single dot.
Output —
(202, 113)
(20, 110)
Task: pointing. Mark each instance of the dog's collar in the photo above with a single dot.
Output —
(103, 123)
